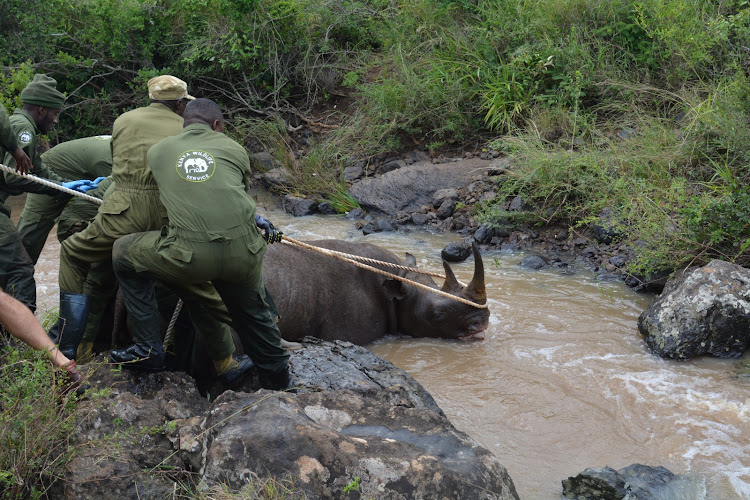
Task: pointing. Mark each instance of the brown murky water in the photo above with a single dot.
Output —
(563, 380)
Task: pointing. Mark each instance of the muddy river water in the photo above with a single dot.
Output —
(563, 380)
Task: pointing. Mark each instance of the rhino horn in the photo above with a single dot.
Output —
(475, 290)
(411, 260)
(451, 284)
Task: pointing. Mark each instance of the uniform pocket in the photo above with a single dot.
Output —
(256, 245)
(179, 253)
(115, 203)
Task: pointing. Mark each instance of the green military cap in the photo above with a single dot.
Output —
(42, 91)
(167, 88)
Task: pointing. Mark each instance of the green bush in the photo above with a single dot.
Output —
(597, 98)
(721, 226)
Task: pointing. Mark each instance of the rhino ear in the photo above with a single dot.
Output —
(475, 290)
(411, 261)
(394, 289)
(451, 284)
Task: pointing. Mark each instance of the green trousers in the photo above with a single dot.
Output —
(128, 209)
(100, 283)
(37, 219)
(16, 267)
(231, 264)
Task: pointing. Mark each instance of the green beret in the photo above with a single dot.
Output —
(41, 91)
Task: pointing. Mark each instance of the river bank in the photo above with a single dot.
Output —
(563, 380)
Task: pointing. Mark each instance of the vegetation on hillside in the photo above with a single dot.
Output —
(640, 107)
(36, 420)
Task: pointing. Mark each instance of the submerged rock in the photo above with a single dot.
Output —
(635, 482)
(457, 251)
(534, 262)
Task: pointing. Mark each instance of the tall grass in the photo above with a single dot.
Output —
(36, 421)
(622, 95)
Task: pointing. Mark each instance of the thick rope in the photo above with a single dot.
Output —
(360, 258)
(333, 254)
(53, 185)
(169, 336)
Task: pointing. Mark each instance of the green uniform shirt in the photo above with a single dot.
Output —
(86, 158)
(7, 137)
(26, 132)
(131, 143)
(80, 211)
(204, 188)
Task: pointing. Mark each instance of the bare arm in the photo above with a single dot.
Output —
(22, 324)
(23, 163)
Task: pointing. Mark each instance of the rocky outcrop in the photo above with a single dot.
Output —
(409, 188)
(704, 311)
(355, 416)
(635, 482)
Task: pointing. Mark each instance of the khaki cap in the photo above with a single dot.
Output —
(167, 88)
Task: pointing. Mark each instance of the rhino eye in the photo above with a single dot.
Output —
(440, 315)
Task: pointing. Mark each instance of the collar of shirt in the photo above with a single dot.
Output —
(198, 127)
(28, 117)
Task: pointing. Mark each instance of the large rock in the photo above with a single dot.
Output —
(355, 416)
(410, 187)
(704, 311)
(635, 482)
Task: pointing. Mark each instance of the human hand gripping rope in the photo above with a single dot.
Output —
(61, 187)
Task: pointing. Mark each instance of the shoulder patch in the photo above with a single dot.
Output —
(25, 137)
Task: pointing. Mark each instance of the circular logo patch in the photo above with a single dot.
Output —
(196, 166)
(25, 137)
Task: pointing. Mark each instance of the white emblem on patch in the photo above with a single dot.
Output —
(25, 137)
(103, 137)
(196, 166)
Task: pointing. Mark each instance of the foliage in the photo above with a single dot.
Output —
(35, 423)
(598, 98)
(721, 225)
(341, 201)
(353, 485)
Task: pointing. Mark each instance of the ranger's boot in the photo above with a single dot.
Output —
(232, 370)
(140, 356)
(68, 331)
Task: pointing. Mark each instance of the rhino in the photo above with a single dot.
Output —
(319, 296)
(324, 297)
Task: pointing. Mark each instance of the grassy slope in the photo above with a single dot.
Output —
(636, 107)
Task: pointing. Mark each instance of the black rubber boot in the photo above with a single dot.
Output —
(234, 377)
(143, 357)
(68, 331)
(280, 381)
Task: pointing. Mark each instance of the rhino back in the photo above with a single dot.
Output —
(327, 298)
